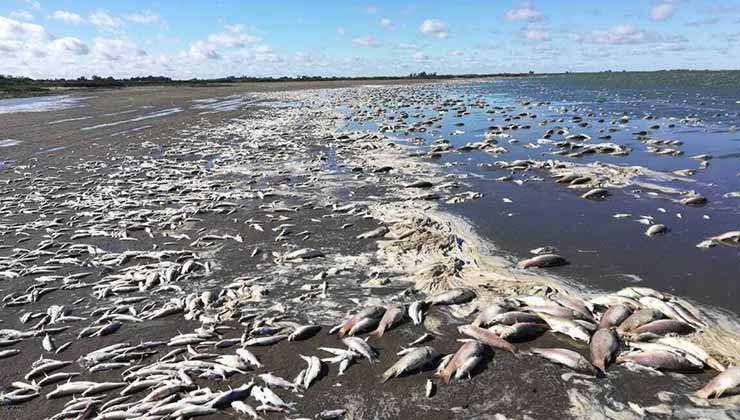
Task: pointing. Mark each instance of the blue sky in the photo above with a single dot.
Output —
(185, 39)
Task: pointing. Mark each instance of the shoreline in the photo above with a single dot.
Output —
(498, 276)
(248, 189)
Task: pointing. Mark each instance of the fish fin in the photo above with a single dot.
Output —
(703, 393)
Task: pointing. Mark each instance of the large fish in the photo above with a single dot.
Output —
(465, 359)
(725, 381)
(415, 359)
(487, 337)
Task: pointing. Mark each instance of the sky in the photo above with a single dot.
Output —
(217, 38)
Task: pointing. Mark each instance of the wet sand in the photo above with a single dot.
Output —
(312, 173)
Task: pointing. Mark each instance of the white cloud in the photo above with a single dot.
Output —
(365, 41)
(371, 10)
(525, 12)
(536, 33)
(21, 15)
(387, 24)
(457, 53)
(116, 50)
(419, 56)
(202, 51)
(69, 45)
(234, 37)
(626, 35)
(340, 30)
(12, 30)
(144, 17)
(407, 46)
(435, 28)
(703, 22)
(67, 17)
(33, 4)
(264, 53)
(103, 20)
(664, 10)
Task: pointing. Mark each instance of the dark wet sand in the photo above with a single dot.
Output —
(524, 387)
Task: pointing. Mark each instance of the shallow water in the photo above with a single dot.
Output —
(605, 253)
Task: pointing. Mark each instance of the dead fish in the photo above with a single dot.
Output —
(725, 381)
(266, 396)
(331, 414)
(656, 230)
(596, 194)
(369, 312)
(567, 358)
(604, 347)
(304, 332)
(312, 371)
(363, 325)
(46, 368)
(638, 319)
(488, 338)
(304, 254)
(193, 411)
(690, 348)
(452, 297)
(411, 361)
(265, 341)
(614, 316)
(567, 327)
(487, 315)
(375, 233)
(429, 388)
(542, 261)
(664, 326)
(248, 357)
(9, 353)
(56, 377)
(47, 343)
(464, 360)
(419, 184)
(361, 347)
(661, 360)
(243, 408)
(416, 312)
(519, 332)
(514, 317)
(393, 315)
(271, 380)
(694, 201)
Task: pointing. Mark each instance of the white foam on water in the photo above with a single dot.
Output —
(158, 114)
(224, 104)
(9, 142)
(119, 113)
(68, 120)
(39, 104)
(133, 130)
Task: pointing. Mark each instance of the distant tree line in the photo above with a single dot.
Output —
(14, 85)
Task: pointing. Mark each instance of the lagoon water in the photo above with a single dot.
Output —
(699, 109)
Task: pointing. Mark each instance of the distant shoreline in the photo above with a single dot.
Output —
(21, 87)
